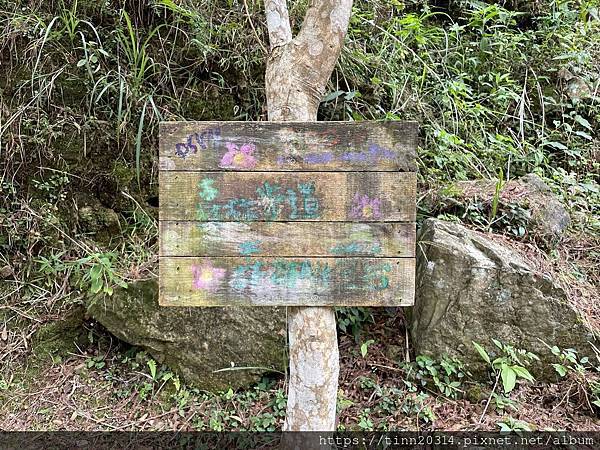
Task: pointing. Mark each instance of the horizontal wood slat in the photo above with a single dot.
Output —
(286, 239)
(246, 281)
(283, 196)
(288, 146)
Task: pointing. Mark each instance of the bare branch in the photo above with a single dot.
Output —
(252, 25)
(278, 23)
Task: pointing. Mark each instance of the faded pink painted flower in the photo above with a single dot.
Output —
(365, 208)
(240, 158)
(206, 276)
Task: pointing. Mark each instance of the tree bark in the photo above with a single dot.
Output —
(298, 70)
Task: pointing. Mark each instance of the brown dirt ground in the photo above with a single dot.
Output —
(67, 395)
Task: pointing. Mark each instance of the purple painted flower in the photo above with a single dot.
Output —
(240, 158)
(365, 208)
(206, 276)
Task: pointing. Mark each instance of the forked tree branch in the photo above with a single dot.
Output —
(278, 22)
(298, 69)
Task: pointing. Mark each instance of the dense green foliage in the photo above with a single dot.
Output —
(499, 90)
(496, 90)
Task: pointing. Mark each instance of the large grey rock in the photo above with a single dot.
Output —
(470, 288)
(196, 341)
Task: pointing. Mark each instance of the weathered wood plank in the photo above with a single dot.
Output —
(289, 146)
(284, 196)
(190, 238)
(248, 281)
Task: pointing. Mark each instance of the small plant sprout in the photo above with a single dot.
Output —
(508, 367)
(509, 424)
(99, 272)
(152, 367)
(582, 370)
(364, 348)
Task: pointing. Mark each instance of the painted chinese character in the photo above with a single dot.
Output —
(230, 211)
(375, 276)
(257, 275)
(200, 213)
(310, 202)
(207, 190)
(270, 200)
(191, 147)
(181, 150)
(239, 280)
(292, 200)
(248, 209)
(248, 248)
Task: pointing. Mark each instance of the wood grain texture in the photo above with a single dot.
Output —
(286, 239)
(288, 146)
(283, 196)
(245, 281)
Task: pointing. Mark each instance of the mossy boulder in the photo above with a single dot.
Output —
(59, 338)
(102, 222)
(214, 348)
(212, 106)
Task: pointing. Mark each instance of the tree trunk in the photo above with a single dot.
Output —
(297, 74)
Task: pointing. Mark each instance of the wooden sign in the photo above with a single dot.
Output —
(287, 213)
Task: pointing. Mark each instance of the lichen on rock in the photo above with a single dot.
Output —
(59, 338)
